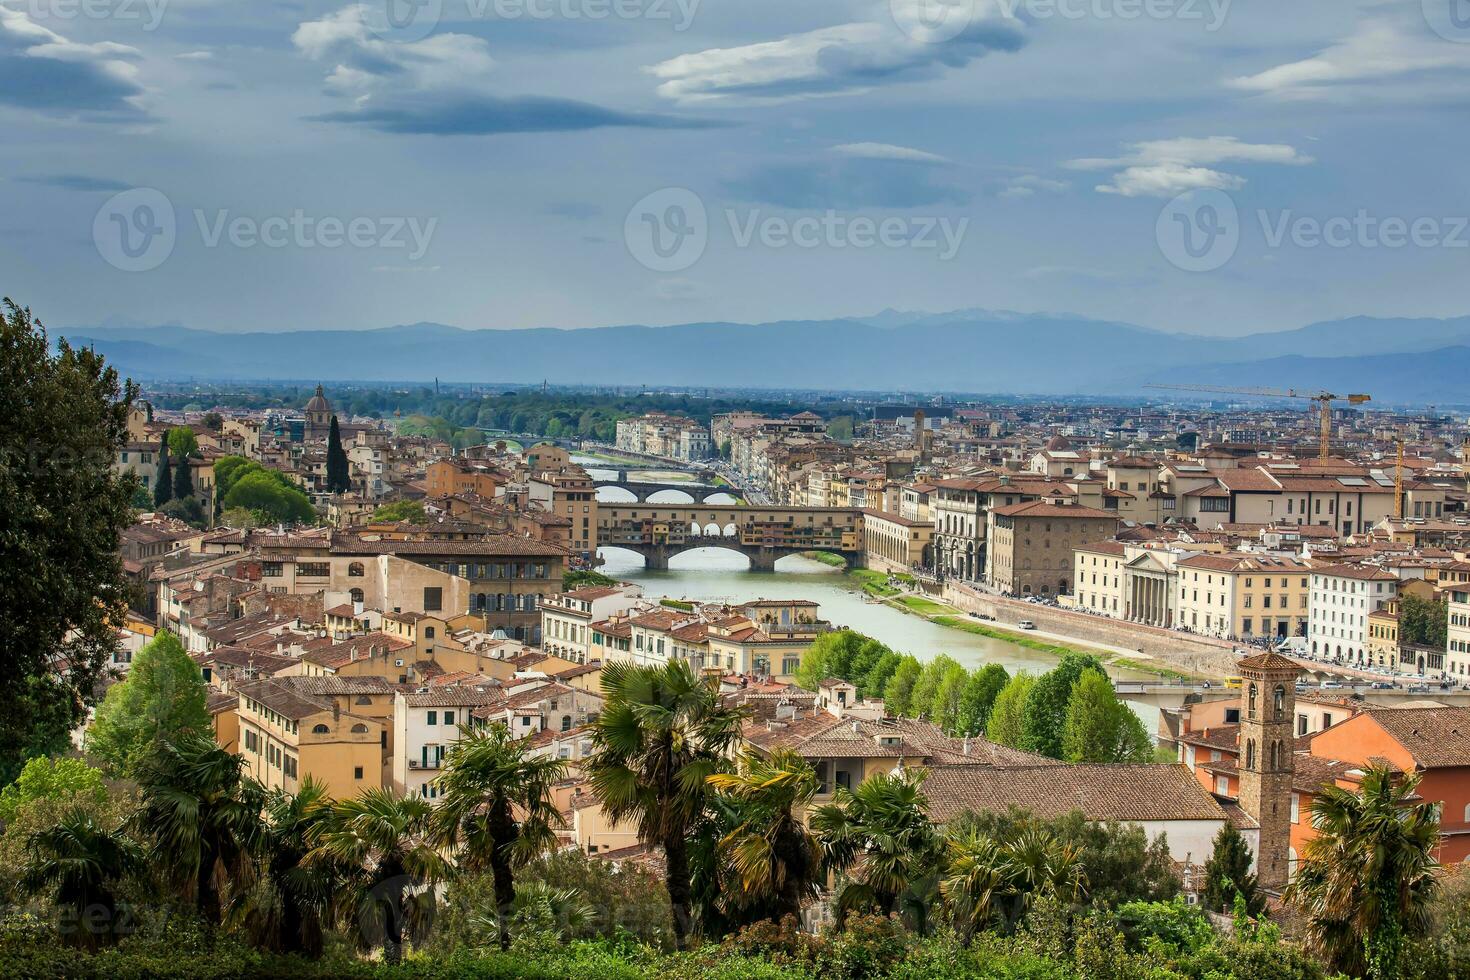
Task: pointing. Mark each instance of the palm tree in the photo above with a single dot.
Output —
(496, 809)
(1045, 867)
(381, 845)
(202, 815)
(1367, 880)
(662, 733)
(287, 909)
(82, 861)
(978, 882)
(879, 838)
(772, 856)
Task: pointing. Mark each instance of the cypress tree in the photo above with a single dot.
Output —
(339, 478)
(1228, 871)
(183, 480)
(163, 486)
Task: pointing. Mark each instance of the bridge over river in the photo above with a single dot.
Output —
(763, 534)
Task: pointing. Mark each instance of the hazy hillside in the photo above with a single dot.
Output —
(969, 350)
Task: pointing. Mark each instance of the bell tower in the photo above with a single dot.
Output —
(1267, 760)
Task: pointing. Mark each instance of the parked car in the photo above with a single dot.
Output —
(1331, 685)
(1381, 686)
(1418, 688)
(1026, 624)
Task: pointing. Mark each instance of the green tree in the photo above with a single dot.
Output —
(926, 688)
(840, 428)
(44, 778)
(1228, 874)
(213, 421)
(898, 693)
(163, 695)
(1046, 706)
(405, 510)
(1007, 721)
(183, 479)
(662, 733)
(496, 809)
(228, 469)
(946, 711)
(81, 862)
(1101, 728)
(287, 910)
(875, 682)
(163, 486)
(771, 858)
(182, 442)
(202, 817)
(269, 496)
(988, 881)
(978, 698)
(1422, 621)
(1367, 881)
(381, 846)
(880, 842)
(339, 473)
(62, 509)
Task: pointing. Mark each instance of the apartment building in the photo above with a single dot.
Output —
(427, 722)
(1244, 594)
(1029, 545)
(570, 494)
(567, 618)
(1342, 598)
(336, 730)
(673, 436)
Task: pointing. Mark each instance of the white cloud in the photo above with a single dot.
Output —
(363, 60)
(1164, 168)
(888, 151)
(1029, 185)
(1382, 48)
(201, 55)
(840, 60)
(46, 72)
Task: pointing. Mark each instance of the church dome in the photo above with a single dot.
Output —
(1056, 444)
(319, 402)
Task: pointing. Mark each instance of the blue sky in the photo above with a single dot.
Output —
(493, 163)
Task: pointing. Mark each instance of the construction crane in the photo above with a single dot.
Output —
(1322, 398)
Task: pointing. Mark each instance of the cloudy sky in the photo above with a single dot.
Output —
(1196, 165)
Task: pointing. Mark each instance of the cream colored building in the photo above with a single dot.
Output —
(568, 617)
(1243, 594)
(335, 730)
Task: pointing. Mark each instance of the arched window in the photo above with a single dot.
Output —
(1251, 701)
(356, 595)
(356, 570)
(319, 729)
(364, 699)
(1467, 812)
(359, 729)
(566, 723)
(1250, 753)
(1280, 700)
(1275, 755)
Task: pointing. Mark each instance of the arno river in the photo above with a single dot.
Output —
(712, 574)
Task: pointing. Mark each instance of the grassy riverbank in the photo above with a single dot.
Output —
(826, 558)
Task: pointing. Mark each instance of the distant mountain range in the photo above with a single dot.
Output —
(1402, 361)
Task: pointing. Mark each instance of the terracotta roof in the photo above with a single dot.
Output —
(1127, 793)
(359, 647)
(1269, 661)
(1042, 509)
(1435, 737)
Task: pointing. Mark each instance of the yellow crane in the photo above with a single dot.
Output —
(1322, 398)
(1398, 482)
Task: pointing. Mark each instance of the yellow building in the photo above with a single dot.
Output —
(1244, 594)
(336, 730)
